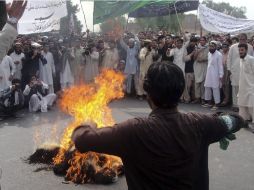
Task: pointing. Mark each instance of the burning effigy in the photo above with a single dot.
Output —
(85, 103)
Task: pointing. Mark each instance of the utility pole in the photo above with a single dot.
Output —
(3, 14)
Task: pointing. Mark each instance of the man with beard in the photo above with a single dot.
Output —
(168, 149)
(132, 65)
(31, 63)
(17, 57)
(246, 86)
(214, 75)
(234, 67)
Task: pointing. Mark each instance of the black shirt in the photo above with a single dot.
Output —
(166, 151)
(189, 64)
(163, 53)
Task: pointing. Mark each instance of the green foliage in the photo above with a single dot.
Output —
(109, 25)
(64, 22)
(169, 23)
(238, 12)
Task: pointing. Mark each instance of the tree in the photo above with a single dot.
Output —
(238, 12)
(64, 22)
(112, 24)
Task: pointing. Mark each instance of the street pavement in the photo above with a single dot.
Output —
(232, 169)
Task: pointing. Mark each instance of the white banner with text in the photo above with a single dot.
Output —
(217, 22)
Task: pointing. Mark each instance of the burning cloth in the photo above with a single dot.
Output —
(86, 103)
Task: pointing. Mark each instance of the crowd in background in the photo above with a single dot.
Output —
(41, 66)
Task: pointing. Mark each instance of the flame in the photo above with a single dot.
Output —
(86, 166)
(89, 103)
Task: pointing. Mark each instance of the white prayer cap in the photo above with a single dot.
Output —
(147, 41)
(60, 40)
(35, 44)
(132, 40)
(213, 42)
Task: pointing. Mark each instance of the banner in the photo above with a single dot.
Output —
(104, 10)
(217, 22)
(164, 8)
(42, 16)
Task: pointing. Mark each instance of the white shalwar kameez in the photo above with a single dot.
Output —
(18, 67)
(233, 65)
(48, 70)
(7, 68)
(246, 88)
(213, 75)
(178, 55)
(66, 77)
(37, 101)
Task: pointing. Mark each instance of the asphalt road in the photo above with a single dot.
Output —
(229, 170)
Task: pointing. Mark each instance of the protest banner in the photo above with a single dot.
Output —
(217, 22)
(42, 16)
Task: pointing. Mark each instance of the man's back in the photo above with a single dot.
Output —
(167, 150)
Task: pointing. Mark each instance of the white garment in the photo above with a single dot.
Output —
(18, 66)
(178, 55)
(214, 70)
(91, 66)
(233, 62)
(47, 70)
(200, 64)
(146, 59)
(66, 77)
(37, 101)
(246, 83)
(212, 92)
(247, 113)
(131, 66)
(110, 58)
(7, 68)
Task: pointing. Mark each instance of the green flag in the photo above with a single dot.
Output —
(104, 10)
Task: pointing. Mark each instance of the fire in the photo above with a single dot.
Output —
(89, 103)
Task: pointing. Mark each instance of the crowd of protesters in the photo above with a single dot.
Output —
(45, 65)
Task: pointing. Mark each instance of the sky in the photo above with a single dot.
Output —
(88, 9)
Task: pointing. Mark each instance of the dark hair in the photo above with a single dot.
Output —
(193, 39)
(243, 46)
(179, 40)
(14, 81)
(164, 83)
(229, 41)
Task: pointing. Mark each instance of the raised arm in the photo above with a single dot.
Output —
(9, 32)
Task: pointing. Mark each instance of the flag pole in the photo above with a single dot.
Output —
(83, 13)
